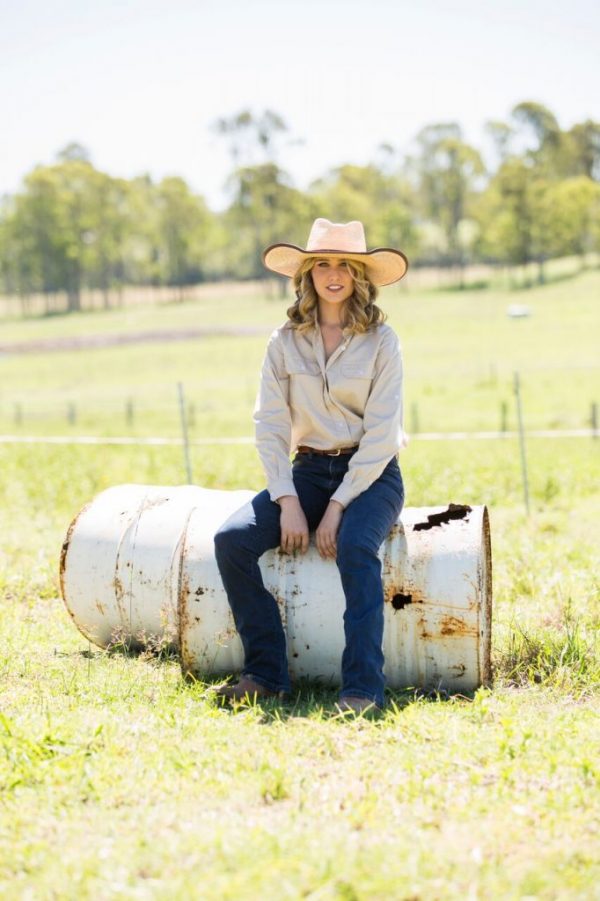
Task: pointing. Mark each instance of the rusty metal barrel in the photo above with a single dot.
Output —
(138, 567)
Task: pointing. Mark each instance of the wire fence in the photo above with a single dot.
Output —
(139, 416)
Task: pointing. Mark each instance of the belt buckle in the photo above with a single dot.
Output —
(335, 453)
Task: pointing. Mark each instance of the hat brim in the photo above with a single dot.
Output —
(384, 265)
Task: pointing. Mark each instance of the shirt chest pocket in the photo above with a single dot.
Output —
(297, 366)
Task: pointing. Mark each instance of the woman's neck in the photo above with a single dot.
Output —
(331, 315)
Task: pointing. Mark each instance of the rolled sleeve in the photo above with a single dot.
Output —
(382, 424)
(272, 421)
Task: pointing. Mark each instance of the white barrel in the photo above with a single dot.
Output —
(138, 567)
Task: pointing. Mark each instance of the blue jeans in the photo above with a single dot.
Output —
(366, 522)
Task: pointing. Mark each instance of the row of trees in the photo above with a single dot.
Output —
(73, 227)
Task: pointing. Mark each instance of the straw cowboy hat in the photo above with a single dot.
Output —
(330, 239)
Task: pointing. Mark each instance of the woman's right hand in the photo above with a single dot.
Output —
(294, 527)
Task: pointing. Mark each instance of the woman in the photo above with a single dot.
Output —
(331, 390)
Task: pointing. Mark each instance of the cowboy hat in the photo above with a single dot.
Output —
(347, 240)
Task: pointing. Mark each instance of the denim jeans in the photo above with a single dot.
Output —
(366, 522)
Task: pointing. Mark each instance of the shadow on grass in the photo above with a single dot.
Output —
(516, 285)
(309, 700)
(480, 285)
(528, 284)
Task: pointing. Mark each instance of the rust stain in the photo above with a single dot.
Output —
(199, 591)
(281, 603)
(119, 589)
(454, 511)
(63, 554)
(100, 608)
(452, 625)
(183, 593)
(487, 591)
(400, 596)
(460, 669)
(154, 502)
(226, 635)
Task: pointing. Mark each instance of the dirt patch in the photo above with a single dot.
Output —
(85, 342)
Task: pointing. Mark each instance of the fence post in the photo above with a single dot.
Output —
(18, 414)
(594, 419)
(129, 412)
(414, 418)
(517, 387)
(71, 414)
(184, 432)
(504, 417)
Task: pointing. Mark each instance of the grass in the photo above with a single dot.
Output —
(461, 351)
(120, 780)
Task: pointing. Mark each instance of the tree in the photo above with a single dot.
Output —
(585, 143)
(182, 224)
(574, 226)
(38, 232)
(265, 207)
(546, 147)
(66, 230)
(448, 171)
(252, 139)
(514, 215)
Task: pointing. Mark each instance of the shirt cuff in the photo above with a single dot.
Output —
(281, 487)
(344, 495)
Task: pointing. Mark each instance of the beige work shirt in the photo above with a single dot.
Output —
(353, 398)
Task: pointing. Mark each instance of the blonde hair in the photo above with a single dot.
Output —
(361, 313)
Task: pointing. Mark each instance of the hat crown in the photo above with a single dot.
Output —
(348, 237)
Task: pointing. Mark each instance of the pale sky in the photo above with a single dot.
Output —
(140, 82)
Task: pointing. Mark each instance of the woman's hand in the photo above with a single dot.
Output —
(294, 528)
(326, 534)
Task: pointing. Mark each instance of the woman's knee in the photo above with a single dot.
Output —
(354, 549)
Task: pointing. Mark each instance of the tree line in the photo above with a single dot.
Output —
(72, 227)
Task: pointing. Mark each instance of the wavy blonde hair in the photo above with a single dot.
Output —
(361, 313)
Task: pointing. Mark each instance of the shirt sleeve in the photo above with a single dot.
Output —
(382, 423)
(272, 421)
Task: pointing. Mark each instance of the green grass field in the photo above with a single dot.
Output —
(118, 780)
(461, 350)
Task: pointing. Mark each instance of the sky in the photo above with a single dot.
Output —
(140, 83)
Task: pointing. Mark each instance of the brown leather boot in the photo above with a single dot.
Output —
(357, 706)
(245, 689)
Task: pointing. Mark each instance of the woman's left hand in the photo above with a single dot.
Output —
(326, 534)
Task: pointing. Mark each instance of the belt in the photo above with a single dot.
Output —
(302, 449)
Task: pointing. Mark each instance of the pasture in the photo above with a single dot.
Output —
(119, 780)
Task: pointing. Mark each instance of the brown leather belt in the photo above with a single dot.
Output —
(302, 449)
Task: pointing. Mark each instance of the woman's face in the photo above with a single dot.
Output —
(332, 280)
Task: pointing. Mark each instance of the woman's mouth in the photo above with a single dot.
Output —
(334, 287)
